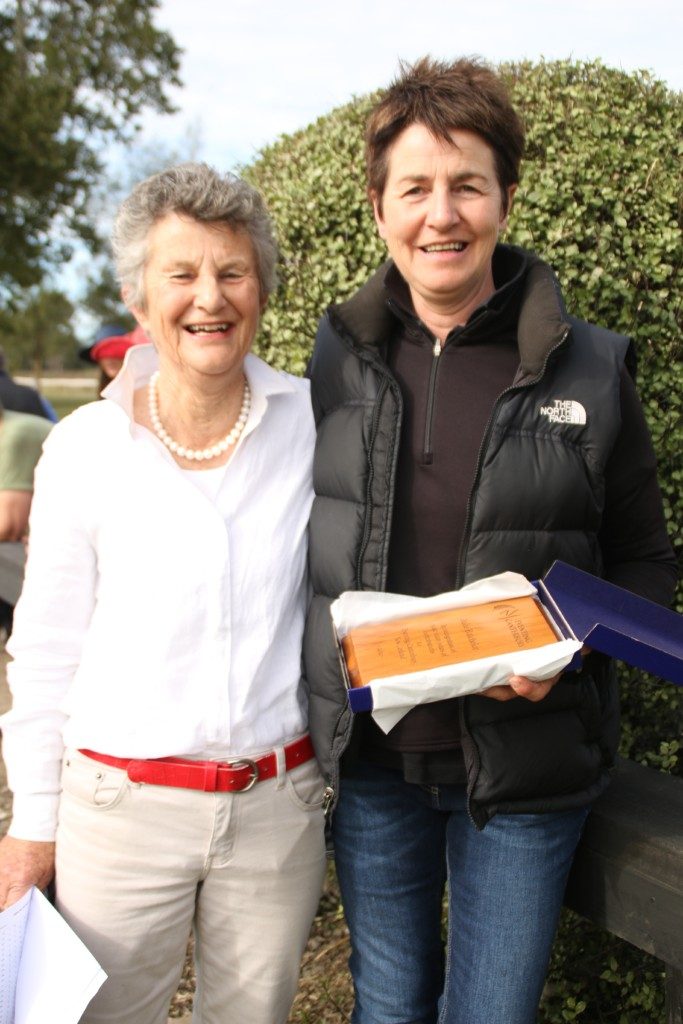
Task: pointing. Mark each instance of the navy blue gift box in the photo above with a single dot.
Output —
(605, 618)
(614, 621)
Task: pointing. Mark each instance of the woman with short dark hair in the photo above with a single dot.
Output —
(445, 456)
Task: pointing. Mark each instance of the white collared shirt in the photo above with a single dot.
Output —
(155, 621)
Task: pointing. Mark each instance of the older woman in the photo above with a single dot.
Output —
(446, 454)
(158, 636)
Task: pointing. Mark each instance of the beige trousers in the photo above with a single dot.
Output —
(139, 866)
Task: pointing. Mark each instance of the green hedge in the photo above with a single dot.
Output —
(600, 199)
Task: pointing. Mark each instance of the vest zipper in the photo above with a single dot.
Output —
(477, 473)
(386, 382)
(473, 775)
(476, 763)
(368, 490)
(459, 576)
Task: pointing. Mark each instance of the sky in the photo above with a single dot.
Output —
(257, 69)
(253, 70)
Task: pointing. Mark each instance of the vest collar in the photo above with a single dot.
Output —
(366, 315)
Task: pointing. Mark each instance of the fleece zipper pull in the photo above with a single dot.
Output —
(427, 454)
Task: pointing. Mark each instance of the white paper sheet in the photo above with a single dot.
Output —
(12, 930)
(364, 607)
(394, 696)
(46, 973)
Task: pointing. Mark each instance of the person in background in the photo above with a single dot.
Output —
(22, 436)
(108, 350)
(467, 426)
(157, 640)
(21, 442)
(21, 397)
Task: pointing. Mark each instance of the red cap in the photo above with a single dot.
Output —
(111, 348)
(116, 347)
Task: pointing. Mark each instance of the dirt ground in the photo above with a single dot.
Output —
(324, 995)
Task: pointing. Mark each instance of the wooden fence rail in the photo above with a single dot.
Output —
(628, 871)
(11, 571)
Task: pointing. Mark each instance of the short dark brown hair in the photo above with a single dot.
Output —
(465, 94)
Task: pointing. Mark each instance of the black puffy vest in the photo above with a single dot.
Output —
(538, 495)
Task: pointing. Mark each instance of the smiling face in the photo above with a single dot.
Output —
(202, 297)
(440, 215)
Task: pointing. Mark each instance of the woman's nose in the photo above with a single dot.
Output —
(209, 295)
(443, 209)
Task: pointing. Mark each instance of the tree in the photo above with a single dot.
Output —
(37, 330)
(74, 75)
(102, 296)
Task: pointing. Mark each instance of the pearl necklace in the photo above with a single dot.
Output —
(196, 454)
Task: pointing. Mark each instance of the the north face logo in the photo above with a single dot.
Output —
(564, 411)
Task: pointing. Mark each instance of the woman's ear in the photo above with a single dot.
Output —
(506, 207)
(376, 201)
(137, 311)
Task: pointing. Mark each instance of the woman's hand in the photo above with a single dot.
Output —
(24, 863)
(520, 686)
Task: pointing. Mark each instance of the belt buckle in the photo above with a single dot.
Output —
(245, 762)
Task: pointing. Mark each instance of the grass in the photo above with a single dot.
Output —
(66, 390)
(64, 398)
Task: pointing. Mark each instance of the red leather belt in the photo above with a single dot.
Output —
(210, 776)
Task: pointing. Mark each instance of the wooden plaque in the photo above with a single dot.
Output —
(433, 639)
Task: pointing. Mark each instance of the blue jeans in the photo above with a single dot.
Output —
(396, 846)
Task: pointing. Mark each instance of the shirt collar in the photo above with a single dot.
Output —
(139, 364)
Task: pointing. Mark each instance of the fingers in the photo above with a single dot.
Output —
(501, 693)
(520, 686)
(22, 864)
(12, 895)
(531, 689)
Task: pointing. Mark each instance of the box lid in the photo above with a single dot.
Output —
(616, 622)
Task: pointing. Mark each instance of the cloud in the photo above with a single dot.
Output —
(256, 70)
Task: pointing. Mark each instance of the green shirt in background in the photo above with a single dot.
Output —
(21, 444)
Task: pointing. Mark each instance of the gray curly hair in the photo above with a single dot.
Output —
(197, 190)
